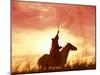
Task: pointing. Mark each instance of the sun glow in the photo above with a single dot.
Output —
(37, 42)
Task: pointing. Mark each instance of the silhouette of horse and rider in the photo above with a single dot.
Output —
(58, 55)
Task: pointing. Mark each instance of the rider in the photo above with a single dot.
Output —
(54, 52)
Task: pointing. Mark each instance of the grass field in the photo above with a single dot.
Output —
(28, 64)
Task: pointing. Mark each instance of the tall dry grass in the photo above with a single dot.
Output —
(28, 64)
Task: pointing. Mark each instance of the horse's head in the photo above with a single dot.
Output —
(71, 47)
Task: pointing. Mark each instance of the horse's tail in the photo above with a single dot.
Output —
(39, 63)
(42, 61)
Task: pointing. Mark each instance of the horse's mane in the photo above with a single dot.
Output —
(63, 48)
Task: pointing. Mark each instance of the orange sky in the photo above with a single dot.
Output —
(34, 24)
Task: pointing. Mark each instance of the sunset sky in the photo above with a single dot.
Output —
(35, 24)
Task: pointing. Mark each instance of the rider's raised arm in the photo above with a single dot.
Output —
(57, 36)
(58, 32)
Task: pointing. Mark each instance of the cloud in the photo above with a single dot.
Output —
(80, 20)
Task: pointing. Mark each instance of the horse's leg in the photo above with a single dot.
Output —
(63, 68)
(47, 68)
(40, 68)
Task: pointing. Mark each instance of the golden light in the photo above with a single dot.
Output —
(36, 42)
(34, 26)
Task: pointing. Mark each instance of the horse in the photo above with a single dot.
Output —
(47, 61)
(65, 52)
